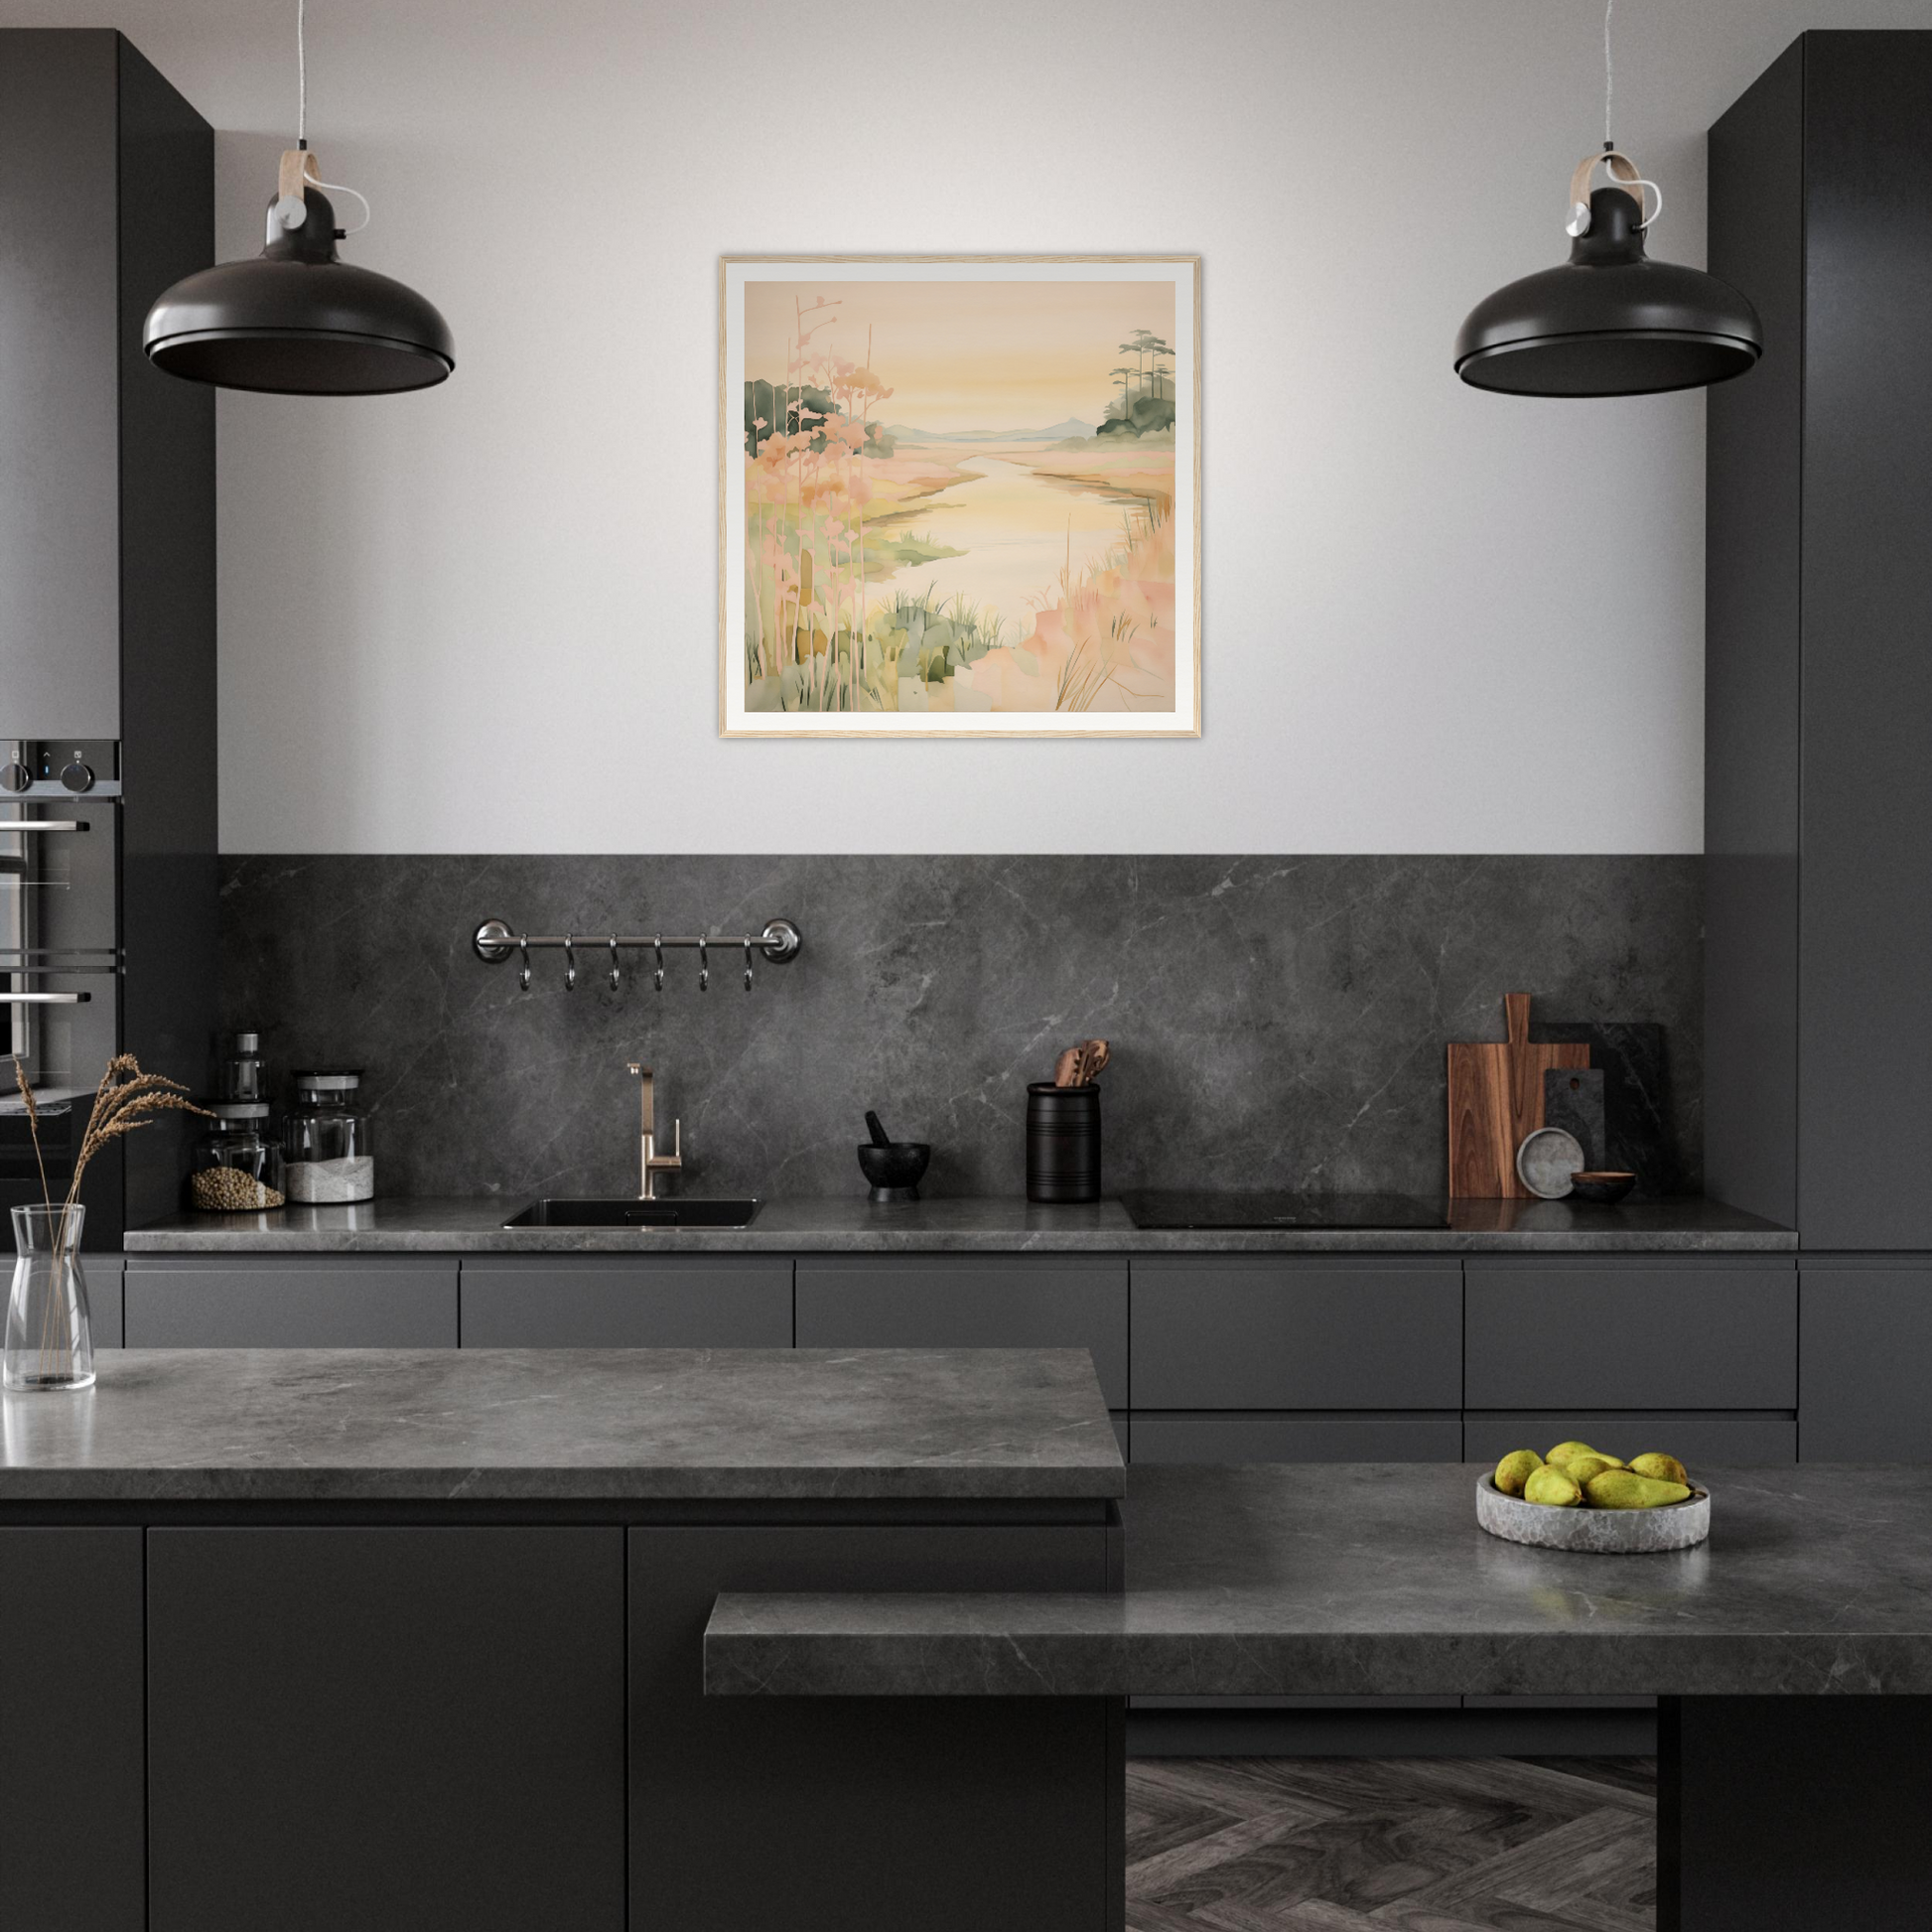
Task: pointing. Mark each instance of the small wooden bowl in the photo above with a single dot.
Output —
(1603, 1185)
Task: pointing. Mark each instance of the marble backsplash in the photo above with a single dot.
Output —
(1274, 1022)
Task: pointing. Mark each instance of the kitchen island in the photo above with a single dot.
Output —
(1793, 1651)
(413, 1639)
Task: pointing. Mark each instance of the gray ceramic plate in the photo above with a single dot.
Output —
(1596, 1532)
(1546, 1161)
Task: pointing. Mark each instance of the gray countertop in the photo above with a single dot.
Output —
(564, 1425)
(961, 1225)
(1373, 1580)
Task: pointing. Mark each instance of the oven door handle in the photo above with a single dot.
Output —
(43, 825)
(44, 999)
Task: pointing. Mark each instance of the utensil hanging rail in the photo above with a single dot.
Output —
(495, 941)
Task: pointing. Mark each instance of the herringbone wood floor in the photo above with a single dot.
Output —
(1390, 1845)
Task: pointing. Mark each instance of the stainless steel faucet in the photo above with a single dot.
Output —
(651, 1162)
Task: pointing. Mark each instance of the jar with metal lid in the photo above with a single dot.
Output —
(238, 1162)
(327, 1137)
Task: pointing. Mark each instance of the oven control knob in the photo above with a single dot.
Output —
(15, 776)
(78, 776)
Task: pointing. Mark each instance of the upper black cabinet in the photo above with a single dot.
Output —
(1818, 811)
(106, 466)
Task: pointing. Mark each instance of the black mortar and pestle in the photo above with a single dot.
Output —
(893, 1167)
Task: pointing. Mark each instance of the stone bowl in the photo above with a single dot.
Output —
(894, 1170)
(1597, 1531)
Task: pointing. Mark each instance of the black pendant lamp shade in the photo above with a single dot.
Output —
(1609, 322)
(297, 320)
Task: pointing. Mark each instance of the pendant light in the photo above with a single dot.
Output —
(297, 320)
(1609, 322)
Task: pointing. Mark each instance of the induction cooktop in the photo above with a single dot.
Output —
(1158, 1209)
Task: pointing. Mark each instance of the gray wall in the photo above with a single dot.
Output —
(1274, 1022)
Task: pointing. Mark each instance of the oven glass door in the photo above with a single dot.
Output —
(60, 982)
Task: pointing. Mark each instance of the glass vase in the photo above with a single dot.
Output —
(50, 1338)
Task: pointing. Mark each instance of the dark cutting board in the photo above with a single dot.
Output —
(1495, 1100)
(1638, 1124)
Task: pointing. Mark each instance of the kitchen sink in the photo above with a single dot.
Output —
(634, 1213)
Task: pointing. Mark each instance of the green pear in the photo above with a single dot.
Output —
(1665, 1468)
(1550, 1486)
(1580, 1469)
(1622, 1489)
(1515, 1469)
(1564, 1450)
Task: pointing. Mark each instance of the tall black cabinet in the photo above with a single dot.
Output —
(106, 600)
(1818, 814)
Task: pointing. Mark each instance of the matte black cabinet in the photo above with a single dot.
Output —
(616, 1302)
(1630, 1334)
(1867, 1360)
(711, 1845)
(948, 1301)
(73, 1798)
(291, 1301)
(427, 1723)
(1265, 1332)
(1818, 704)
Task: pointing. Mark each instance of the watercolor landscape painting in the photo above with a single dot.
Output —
(959, 497)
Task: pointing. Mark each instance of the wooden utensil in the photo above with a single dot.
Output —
(1066, 1068)
(1495, 1100)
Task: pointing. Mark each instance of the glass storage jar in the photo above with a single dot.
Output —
(326, 1139)
(237, 1163)
(238, 1075)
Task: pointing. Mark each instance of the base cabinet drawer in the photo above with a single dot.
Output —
(284, 1302)
(1015, 1302)
(1867, 1379)
(616, 1302)
(1631, 1334)
(1267, 1333)
(1297, 1439)
(1697, 1439)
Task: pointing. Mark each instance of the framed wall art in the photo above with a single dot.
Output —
(960, 495)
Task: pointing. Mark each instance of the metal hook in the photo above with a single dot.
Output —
(748, 965)
(570, 962)
(616, 971)
(523, 946)
(657, 946)
(704, 968)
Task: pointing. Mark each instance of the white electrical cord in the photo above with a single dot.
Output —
(290, 211)
(1610, 72)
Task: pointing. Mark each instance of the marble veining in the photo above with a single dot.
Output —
(1276, 1022)
(1374, 1579)
(302, 1425)
(962, 1225)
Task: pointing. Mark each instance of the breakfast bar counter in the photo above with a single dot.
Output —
(1792, 1651)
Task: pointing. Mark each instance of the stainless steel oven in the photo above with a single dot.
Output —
(61, 960)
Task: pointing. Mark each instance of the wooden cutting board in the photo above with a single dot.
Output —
(1495, 1099)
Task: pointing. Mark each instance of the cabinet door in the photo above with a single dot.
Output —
(103, 1273)
(1268, 1332)
(291, 1301)
(1297, 1439)
(967, 1814)
(938, 1301)
(60, 388)
(1699, 1440)
(73, 1796)
(1551, 1334)
(1866, 1393)
(394, 1730)
(617, 1301)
